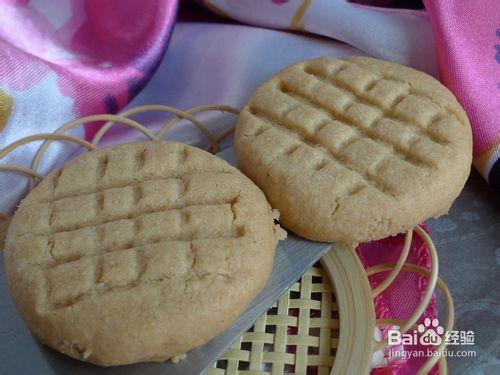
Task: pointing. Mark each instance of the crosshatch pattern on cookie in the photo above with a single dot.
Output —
(154, 224)
(68, 283)
(361, 121)
(130, 202)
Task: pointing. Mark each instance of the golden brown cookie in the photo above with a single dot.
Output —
(139, 252)
(354, 149)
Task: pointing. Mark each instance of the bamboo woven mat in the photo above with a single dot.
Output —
(299, 334)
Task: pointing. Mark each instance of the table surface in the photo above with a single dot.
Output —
(468, 246)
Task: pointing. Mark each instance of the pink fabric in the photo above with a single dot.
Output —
(71, 58)
(467, 35)
(100, 55)
(405, 293)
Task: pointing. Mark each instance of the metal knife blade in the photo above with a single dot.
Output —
(21, 353)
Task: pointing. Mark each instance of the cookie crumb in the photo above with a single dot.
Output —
(280, 233)
(87, 353)
(177, 358)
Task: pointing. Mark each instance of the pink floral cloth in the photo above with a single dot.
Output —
(401, 298)
(467, 35)
(66, 59)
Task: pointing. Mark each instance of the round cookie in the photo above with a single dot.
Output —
(139, 252)
(354, 149)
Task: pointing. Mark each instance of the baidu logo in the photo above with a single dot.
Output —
(428, 333)
(431, 332)
(431, 335)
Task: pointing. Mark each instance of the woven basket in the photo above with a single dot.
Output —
(301, 332)
(324, 323)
